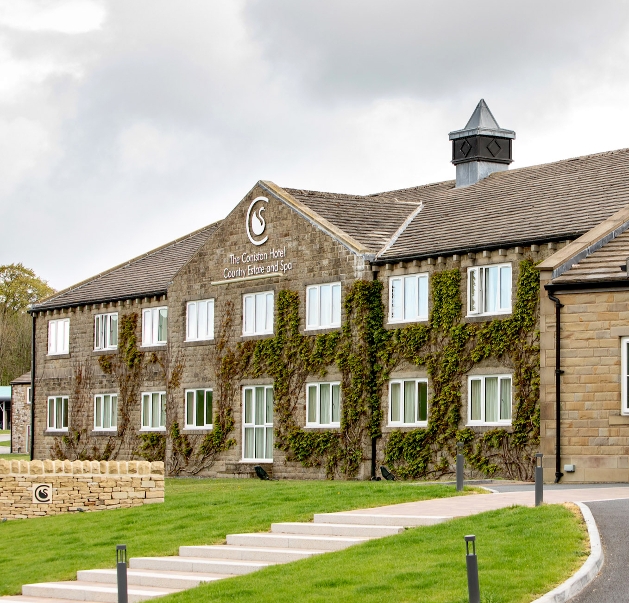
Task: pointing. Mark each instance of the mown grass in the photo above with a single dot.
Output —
(522, 553)
(195, 512)
(15, 457)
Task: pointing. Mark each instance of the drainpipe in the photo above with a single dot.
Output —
(558, 373)
(32, 443)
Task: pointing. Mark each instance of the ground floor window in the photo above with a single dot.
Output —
(153, 410)
(258, 423)
(408, 402)
(105, 411)
(489, 400)
(58, 412)
(198, 408)
(323, 405)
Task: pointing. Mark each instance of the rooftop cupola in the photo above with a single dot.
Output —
(481, 148)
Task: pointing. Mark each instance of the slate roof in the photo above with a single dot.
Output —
(606, 264)
(550, 202)
(148, 274)
(24, 379)
(371, 220)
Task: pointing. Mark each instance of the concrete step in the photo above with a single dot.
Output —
(336, 529)
(293, 541)
(408, 521)
(225, 551)
(92, 591)
(159, 579)
(205, 565)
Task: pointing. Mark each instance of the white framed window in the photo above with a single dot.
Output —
(258, 423)
(323, 404)
(408, 298)
(29, 395)
(200, 320)
(106, 331)
(323, 306)
(408, 402)
(106, 412)
(58, 413)
(153, 411)
(489, 400)
(154, 326)
(198, 408)
(257, 313)
(489, 290)
(59, 336)
(624, 375)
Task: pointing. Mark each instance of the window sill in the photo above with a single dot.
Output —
(58, 356)
(256, 336)
(104, 351)
(329, 328)
(406, 322)
(194, 342)
(256, 461)
(55, 432)
(152, 430)
(153, 347)
(331, 426)
(408, 425)
(104, 432)
(492, 315)
(193, 430)
(479, 424)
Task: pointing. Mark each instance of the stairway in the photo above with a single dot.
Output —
(150, 577)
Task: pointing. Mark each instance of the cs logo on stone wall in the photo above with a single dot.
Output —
(256, 224)
(42, 493)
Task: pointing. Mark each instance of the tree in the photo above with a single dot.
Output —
(19, 287)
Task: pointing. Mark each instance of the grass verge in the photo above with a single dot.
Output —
(14, 457)
(195, 512)
(522, 553)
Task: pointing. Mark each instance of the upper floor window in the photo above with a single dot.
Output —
(323, 306)
(324, 405)
(408, 402)
(154, 326)
(489, 289)
(489, 400)
(105, 411)
(154, 411)
(257, 313)
(408, 298)
(200, 320)
(106, 331)
(624, 374)
(59, 336)
(198, 408)
(58, 413)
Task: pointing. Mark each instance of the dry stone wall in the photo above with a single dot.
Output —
(38, 488)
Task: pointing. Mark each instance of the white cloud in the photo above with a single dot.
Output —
(63, 16)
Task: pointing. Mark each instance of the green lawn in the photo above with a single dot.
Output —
(15, 457)
(4, 431)
(195, 512)
(522, 553)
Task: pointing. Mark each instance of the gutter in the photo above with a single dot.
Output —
(32, 442)
(558, 373)
(101, 300)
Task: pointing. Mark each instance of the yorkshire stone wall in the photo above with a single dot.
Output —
(20, 419)
(77, 486)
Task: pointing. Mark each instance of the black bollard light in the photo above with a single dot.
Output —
(472, 569)
(460, 464)
(539, 479)
(121, 569)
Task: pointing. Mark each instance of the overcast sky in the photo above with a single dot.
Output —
(124, 125)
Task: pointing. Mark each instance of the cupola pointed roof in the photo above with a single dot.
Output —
(482, 123)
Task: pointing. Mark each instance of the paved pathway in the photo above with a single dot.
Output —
(244, 553)
(612, 584)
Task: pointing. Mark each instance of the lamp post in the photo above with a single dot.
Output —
(121, 570)
(473, 588)
(460, 463)
(539, 479)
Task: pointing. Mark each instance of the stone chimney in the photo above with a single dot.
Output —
(481, 148)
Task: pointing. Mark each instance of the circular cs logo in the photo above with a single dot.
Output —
(42, 493)
(256, 224)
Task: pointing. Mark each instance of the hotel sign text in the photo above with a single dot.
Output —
(257, 263)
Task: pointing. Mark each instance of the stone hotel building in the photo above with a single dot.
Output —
(325, 335)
